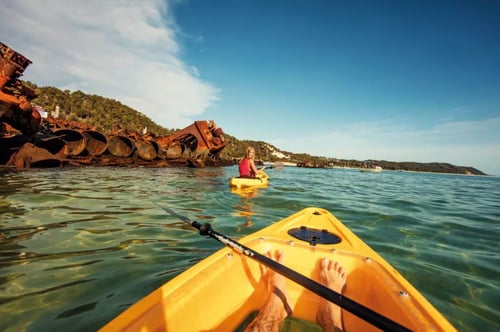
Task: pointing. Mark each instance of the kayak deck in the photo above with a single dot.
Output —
(261, 180)
(221, 291)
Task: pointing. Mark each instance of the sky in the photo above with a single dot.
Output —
(354, 79)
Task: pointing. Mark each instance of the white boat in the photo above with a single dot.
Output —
(376, 169)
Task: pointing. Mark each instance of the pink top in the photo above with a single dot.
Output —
(244, 168)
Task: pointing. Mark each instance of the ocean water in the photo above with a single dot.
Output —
(80, 245)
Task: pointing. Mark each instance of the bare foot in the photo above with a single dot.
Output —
(329, 315)
(276, 308)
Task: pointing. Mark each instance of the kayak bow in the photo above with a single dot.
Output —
(375, 291)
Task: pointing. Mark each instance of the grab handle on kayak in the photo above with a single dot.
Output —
(352, 306)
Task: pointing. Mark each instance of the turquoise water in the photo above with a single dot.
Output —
(78, 246)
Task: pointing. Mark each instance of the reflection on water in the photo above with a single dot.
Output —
(78, 246)
(245, 207)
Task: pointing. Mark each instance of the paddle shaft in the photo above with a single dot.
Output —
(355, 308)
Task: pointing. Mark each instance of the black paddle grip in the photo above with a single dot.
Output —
(205, 229)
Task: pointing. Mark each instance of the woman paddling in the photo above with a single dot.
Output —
(247, 166)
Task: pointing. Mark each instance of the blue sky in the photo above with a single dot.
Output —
(393, 80)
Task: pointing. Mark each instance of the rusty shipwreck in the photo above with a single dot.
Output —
(30, 137)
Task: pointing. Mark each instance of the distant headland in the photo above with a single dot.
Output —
(270, 153)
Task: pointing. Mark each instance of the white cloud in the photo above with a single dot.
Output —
(459, 143)
(125, 50)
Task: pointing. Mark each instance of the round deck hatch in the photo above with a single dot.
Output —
(314, 236)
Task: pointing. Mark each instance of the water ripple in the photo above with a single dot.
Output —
(99, 233)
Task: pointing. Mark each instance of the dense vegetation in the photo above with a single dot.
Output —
(107, 115)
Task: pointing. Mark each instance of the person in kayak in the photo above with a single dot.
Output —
(277, 308)
(247, 166)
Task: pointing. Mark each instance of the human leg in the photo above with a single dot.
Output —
(276, 308)
(329, 315)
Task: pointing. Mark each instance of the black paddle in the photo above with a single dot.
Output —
(355, 308)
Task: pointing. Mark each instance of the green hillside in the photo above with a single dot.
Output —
(103, 113)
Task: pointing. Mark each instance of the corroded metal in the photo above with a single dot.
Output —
(46, 153)
(201, 139)
(120, 146)
(15, 106)
(9, 145)
(75, 141)
(147, 150)
(97, 143)
(66, 143)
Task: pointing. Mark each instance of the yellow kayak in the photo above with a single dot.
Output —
(220, 292)
(261, 180)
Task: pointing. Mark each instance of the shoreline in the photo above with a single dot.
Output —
(290, 164)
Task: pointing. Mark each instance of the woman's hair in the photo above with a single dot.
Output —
(249, 150)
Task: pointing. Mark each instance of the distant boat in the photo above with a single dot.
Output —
(376, 169)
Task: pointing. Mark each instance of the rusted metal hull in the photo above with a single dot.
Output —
(202, 138)
(194, 146)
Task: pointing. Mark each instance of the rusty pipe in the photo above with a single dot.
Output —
(147, 150)
(120, 146)
(97, 143)
(75, 141)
